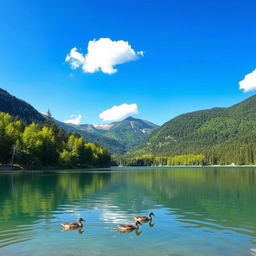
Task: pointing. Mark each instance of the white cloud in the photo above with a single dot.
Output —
(249, 82)
(75, 119)
(102, 55)
(120, 112)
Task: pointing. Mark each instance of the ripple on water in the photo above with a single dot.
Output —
(197, 213)
(19, 234)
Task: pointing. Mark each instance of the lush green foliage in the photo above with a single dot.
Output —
(35, 146)
(222, 135)
(151, 160)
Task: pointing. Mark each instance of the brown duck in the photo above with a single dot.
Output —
(73, 225)
(144, 218)
(128, 227)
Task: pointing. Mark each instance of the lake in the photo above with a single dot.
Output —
(198, 211)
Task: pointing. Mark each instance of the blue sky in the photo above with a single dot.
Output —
(195, 54)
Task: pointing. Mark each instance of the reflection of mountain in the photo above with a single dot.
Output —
(203, 198)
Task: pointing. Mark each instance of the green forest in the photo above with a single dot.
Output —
(222, 135)
(230, 153)
(154, 160)
(45, 145)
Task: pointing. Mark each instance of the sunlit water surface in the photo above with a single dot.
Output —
(198, 211)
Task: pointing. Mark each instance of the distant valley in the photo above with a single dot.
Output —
(130, 132)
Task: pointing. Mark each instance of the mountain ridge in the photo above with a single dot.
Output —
(19, 108)
(111, 145)
(129, 132)
(204, 131)
(118, 141)
(222, 135)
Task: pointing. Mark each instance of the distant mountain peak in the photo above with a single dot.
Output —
(129, 132)
(130, 118)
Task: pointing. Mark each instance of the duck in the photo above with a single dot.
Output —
(144, 218)
(73, 225)
(128, 227)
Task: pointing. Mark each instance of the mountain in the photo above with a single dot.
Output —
(111, 145)
(24, 111)
(19, 108)
(217, 131)
(118, 137)
(129, 132)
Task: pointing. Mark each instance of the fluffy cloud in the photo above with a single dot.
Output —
(120, 112)
(249, 82)
(102, 55)
(75, 119)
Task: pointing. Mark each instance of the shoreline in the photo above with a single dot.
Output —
(184, 166)
(10, 168)
(54, 168)
(17, 168)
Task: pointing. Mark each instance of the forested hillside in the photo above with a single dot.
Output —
(25, 112)
(36, 146)
(221, 135)
(19, 108)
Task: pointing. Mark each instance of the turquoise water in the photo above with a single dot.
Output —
(198, 211)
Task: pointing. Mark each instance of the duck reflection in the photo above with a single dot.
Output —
(150, 224)
(136, 231)
(80, 231)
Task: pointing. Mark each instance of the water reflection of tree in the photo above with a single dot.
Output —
(29, 195)
(194, 195)
(224, 195)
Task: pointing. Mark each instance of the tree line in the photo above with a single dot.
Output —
(45, 145)
(154, 160)
(232, 152)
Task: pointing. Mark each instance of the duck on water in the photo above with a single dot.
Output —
(145, 218)
(73, 225)
(128, 227)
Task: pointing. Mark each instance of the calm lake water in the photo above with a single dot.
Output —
(198, 211)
